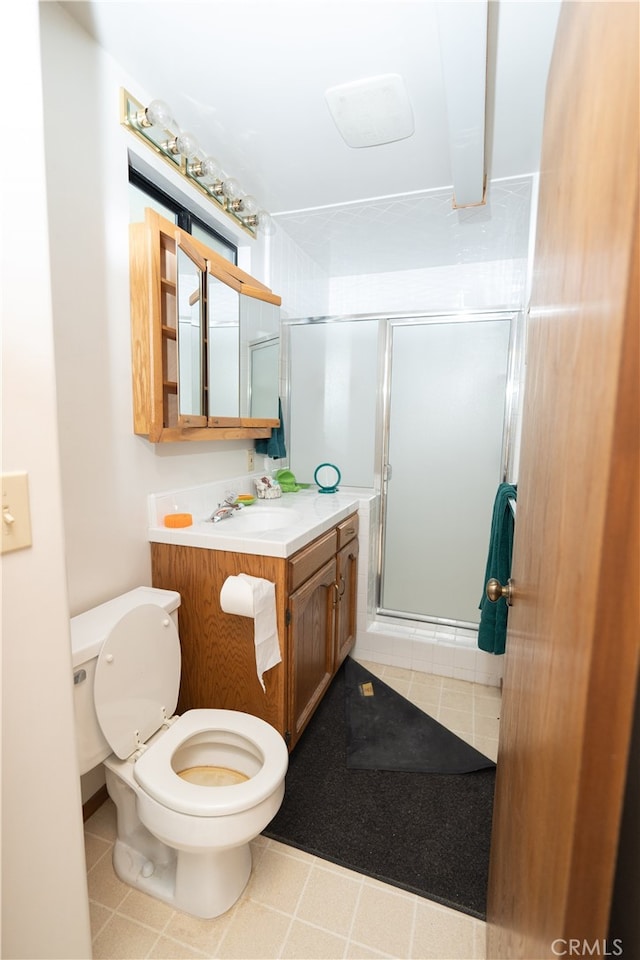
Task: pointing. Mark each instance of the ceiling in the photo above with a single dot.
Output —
(248, 79)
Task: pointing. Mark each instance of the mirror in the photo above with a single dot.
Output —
(223, 349)
(191, 392)
(264, 371)
(243, 353)
(259, 358)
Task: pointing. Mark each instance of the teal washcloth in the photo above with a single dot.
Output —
(274, 446)
(492, 632)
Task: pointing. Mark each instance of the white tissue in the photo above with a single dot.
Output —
(253, 597)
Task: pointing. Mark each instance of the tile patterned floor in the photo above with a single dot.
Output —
(297, 905)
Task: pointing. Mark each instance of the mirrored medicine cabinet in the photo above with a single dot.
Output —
(205, 340)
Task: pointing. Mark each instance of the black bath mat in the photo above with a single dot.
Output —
(427, 833)
(387, 732)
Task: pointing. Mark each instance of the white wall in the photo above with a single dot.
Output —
(483, 285)
(45, 910)
(473, 259)
(302, 284)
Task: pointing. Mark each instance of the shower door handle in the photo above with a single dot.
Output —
(495, 590)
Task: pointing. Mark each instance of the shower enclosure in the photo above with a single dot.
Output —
(446, 447)
(418, 407)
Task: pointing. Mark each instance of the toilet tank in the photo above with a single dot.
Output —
(89, 631)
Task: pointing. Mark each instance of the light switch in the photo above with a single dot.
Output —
(16, 517)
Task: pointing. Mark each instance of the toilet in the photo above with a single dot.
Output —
(190, 791)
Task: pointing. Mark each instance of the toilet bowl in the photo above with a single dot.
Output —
(190, 791)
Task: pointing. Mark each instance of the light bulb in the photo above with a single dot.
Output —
(265, 223)
(187, 145)
(249, 206)
(207, 169)
(158, 114)
(231, 189)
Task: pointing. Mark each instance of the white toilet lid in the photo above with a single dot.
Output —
(137, 678)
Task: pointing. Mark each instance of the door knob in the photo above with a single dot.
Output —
(495, 590)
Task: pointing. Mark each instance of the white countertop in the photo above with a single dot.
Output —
(294, 519)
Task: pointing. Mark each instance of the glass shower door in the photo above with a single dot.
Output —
(445, 453)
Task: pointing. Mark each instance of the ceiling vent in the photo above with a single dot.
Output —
(372, 111)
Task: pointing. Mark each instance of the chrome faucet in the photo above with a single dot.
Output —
(225, 509)
(221, 513)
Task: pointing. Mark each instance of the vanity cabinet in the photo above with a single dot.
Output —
(188, 307)
(316, 619)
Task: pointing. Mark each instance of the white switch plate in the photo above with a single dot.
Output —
(16, 516)
(251, 461)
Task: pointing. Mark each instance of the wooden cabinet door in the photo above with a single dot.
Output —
(311, 609)
(347, 579)
(218, 648)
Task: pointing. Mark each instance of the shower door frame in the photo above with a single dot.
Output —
(513, 389)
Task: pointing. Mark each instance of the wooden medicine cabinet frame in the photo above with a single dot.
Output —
(153, 256)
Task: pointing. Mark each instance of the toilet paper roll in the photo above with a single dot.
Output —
(254, 597)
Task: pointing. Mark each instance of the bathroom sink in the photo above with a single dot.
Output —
(267, 528)
(257, 519)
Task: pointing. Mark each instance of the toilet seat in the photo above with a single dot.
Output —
(154, 773)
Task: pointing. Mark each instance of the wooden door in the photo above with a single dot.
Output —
(311, 645)
(571, 662)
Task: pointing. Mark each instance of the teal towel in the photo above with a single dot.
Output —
(274, 446)
(492, 632)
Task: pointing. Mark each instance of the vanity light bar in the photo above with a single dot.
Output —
(156, 127)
